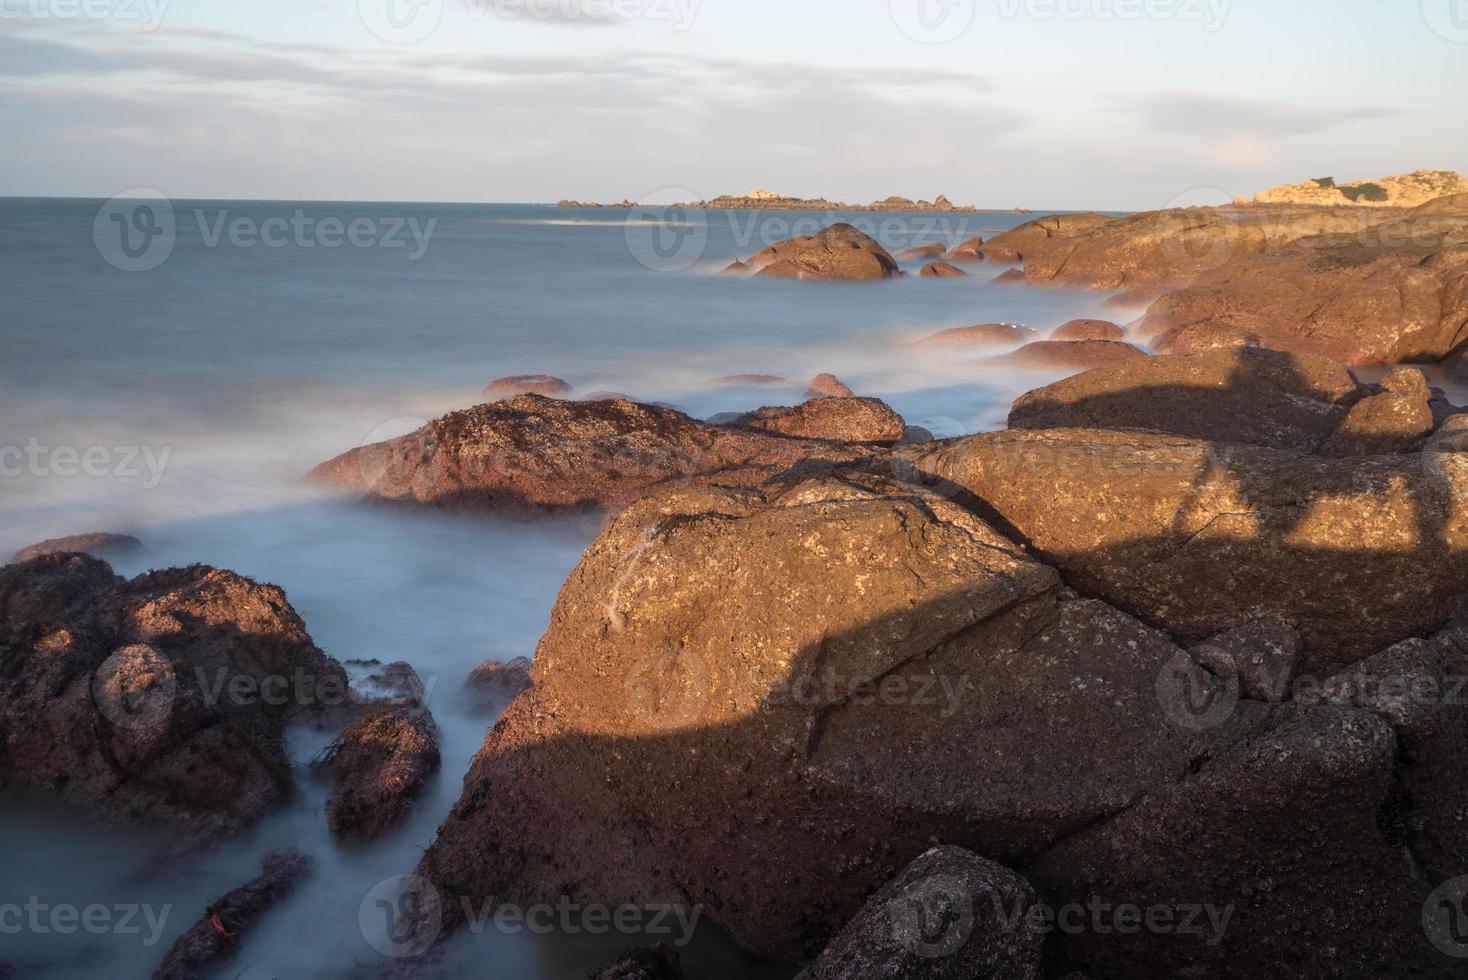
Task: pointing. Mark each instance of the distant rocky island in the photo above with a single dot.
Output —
(769, 200)
(1401, 191)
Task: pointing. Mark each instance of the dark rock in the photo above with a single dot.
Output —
(502, 682)
(950, 915)
(866, 420)
(225, 923)
(658, 962)
(98, 544)
(379, 764)
(1264, 656)
(545, 385)
(838, 252)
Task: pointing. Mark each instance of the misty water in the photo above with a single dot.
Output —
(212, 382)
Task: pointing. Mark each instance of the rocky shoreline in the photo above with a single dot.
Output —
(765, 201)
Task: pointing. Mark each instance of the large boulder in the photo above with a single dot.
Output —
(982, 335)
(950, 915)
(1088, 329)
(867, 420)
(1396, 293)
(379, 765)
(1046, 355)
(1035, 237)
(768, 703)
(840, 251)
(1397, 419)
(1197, 537)
(160, 701)
(1249, 395)
(543, 453)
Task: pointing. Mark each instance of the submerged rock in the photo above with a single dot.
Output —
(866, 420)
(981, 334)
(942, 270)
(837, 252)
(969, 251)
(98, 544)
(160, 701)
(527, 384)
(228, 920)
(1088, 330)
(1047, 354)
(950, 915)
(502, 682)
(933, 251)
(827, 386)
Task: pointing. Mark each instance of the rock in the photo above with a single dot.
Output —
(867, 420)
(379, 764)
(607, 396)
(915, 435)
(735, 268)
(950, 915)
(1357, 794)
(1399, 293)
(160, 701)
(1049, 354)
(502, 683)
(1250, 395)
(98, 544)
(837, 252)
(942, 270)
(220, 932)
(1398, 420)
(1264, 656)
(1199, 537)
(969, 251)
(660, 962)
(1449, 205)
(1009, 277)
(1033, 236)
(981, 334)
(1088, 330)
(809, 684)
(827, 386)
(921, 252)
(534, 452)
(396, 685)
(545, 385)
(1405, 190)
(748, 379)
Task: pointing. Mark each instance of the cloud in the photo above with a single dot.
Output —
(1223, 117)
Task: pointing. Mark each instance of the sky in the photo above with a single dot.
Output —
(1105, 104)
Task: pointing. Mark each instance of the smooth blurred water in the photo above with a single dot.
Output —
(238, 368)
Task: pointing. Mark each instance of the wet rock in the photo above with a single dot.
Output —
(1249, 395)
(501, 683)
(809, 684)
(827, 386)
(379, 764)
(866, 420)
(660, 962)
(1033, 237)
(1009, 277)
(502, 389)
(735, 268)
(1264, 656)
(921, 252)
(1048, 354)
(1088, 330)
(228, 921)
(98, 544)
(160, 701)
(914, 435)
(838, 252)
(981, 335)
(1199, 537)
(942, 270)
(534, 452)
(969, 251)
(1398, 420)
(950, 915)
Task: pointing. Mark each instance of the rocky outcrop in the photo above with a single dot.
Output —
(1397, 293)
(1403, 190)
(769, 200)
(1247, 395)
(982, 335)
(543, 453)
(1398, 419)
(1198, 537)
(860, 420)
(160, 701)
(98, 544)
(660, 962)
(495, 683)
(379, 764)
(1050, 354)
(827, 386)
(1088, 330)
(1033, 237)
(225, 923)
(840, 251)
(546, 385)
(950, 915)
(942, 270)
(969, 251)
